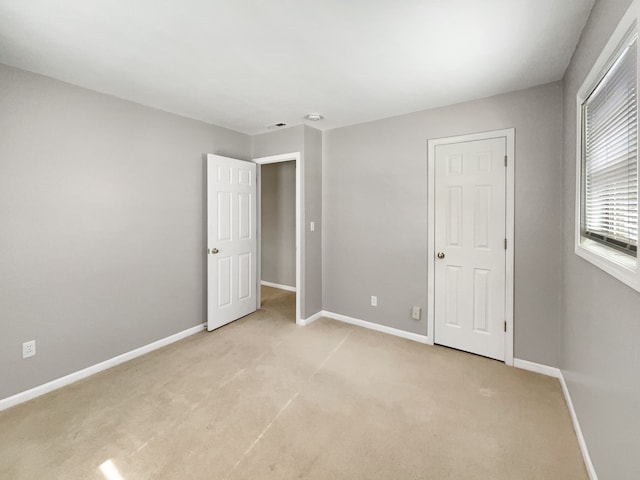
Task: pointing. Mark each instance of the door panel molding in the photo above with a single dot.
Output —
(509, 136)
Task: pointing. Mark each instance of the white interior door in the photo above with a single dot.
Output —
(470, 246)
(231, 240)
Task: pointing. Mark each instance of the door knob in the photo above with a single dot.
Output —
(214, 250)
(440, 255)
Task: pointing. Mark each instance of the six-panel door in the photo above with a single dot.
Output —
(470, 226)
(232, 246)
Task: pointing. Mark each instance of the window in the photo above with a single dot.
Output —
(607, 193)
(609, 157)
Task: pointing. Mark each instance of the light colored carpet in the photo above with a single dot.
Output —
(264, 398)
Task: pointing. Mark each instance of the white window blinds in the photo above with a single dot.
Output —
(610, 156)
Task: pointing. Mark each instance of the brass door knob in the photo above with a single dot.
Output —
(440, 255)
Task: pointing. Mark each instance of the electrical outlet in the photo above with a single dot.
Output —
(374, 301)
(312, 226)
(29, 349)
(415, 313)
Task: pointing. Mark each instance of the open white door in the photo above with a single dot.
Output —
(231, 240)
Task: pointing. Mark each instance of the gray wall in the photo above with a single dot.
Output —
(102, 216)
(278, 223)
(313, 212)
(601, 316)
(375, 213)
(307, 141)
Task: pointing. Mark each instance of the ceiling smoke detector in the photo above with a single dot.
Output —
(314, 117)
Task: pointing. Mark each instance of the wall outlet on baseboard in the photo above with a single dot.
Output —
(374, 301)
(415, 313)
(29, 349)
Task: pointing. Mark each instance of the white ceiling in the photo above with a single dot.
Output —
(246, 64)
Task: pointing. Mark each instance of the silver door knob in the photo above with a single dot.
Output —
(214, 250)
(440, 255)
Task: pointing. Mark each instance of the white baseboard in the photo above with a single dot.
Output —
(537, 367)
(99, 367)
(370, 325)
(576, 426)
(377, 327)
(312, 318)
(557, 373)
(278, 285)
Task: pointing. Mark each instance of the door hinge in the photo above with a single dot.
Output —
(505, 325)
(505, 243)
(505, 160)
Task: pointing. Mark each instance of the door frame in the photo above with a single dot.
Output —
(285, 157)
(509, 135)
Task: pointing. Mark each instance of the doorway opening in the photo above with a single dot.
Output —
(279, 234)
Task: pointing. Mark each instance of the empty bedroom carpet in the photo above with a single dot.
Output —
(264, 398)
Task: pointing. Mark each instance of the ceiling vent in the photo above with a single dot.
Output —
(277, 125)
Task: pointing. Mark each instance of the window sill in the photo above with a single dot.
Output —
(617, 264)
